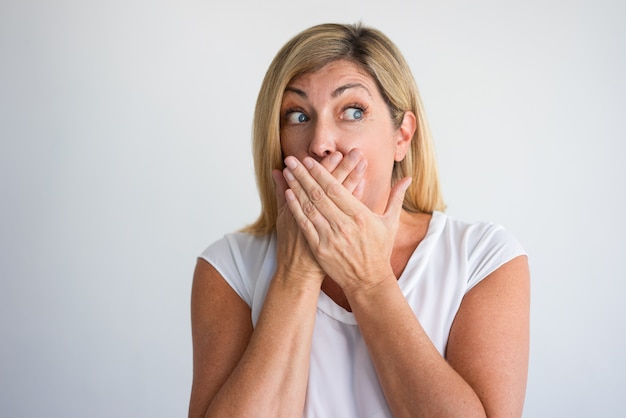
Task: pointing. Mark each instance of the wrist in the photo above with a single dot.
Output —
(366, 293)
(305, 279)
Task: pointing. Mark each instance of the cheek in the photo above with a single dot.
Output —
(286, 146)
(379, 171)
(380, 154)
(291, 145)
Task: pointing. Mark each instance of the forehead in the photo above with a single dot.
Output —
(334, 74)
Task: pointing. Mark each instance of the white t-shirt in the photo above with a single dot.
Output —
(452, 258)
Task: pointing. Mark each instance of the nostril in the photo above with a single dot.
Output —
(320, 154)
(322, 145)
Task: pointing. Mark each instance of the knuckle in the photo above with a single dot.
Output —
(360, 219)
(345, 230)
(334, 191)
(316, 194)
(304, 226)
(323, 251)
(308, 208)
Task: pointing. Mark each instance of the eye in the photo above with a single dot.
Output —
(353, 113)
(297, 117)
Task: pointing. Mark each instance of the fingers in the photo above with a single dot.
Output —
(331, 162)
(354, 166)
(305, 192)
(350, 170)
(317, 190)
(347, 170)
(308, 201)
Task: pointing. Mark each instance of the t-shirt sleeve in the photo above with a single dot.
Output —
(225, 256)
(490, 246)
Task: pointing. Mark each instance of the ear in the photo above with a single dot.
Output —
(404, 135)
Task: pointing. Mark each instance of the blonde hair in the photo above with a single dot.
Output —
(311, 50)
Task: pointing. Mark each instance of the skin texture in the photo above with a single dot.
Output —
(341, 228)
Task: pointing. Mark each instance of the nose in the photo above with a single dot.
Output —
(324, 141)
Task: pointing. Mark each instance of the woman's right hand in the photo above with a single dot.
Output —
(295, 261)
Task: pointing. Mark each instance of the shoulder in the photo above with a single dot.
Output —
(237, 242)
(239, 258)
(483, 246)
(238, 248)
(481, 236)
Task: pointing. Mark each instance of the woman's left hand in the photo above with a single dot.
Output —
(351, 243)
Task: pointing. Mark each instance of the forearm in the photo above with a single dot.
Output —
(415, 378)
(271, 377)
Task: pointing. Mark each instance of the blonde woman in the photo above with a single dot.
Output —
(353, 294)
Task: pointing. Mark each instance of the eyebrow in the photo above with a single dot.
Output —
(338, 91)
(341, 89)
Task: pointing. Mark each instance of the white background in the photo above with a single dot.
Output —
(125, 151)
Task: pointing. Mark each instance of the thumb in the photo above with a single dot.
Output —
(396, 198)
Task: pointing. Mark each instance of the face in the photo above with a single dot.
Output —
(339, 108)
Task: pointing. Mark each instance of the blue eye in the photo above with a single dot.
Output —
(297, 117)
(353, 113)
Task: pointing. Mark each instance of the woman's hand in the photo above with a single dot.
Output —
(295, 259)
(351, 243)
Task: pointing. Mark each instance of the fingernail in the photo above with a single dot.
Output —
(308, 163)
(291, 162)
(354, 155)
(288, 175)
(335, 157)
(361, 166)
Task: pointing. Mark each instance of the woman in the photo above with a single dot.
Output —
(353, 294)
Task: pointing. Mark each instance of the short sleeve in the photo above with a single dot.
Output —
(490, 246)
(225, 256)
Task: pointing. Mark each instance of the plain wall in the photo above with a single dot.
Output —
(125, 151)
